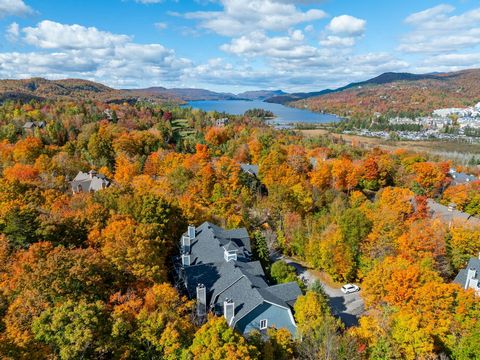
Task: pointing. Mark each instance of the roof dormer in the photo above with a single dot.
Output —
(230, 251)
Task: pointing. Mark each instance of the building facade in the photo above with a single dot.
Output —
(469, 278)
(216, 268)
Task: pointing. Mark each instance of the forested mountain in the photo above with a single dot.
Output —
(287, 98)
(399, 94)
(260, 94)
(71, 89)
(188, 94)
(381, 79)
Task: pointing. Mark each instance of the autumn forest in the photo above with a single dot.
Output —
(89, 275)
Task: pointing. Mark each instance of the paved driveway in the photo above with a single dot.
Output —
(348, 307)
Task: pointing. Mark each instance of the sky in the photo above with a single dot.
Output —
(235, 45)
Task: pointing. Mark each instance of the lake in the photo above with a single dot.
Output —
(284, 115)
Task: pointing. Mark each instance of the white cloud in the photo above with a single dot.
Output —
(77, 51)
(14, 7)
(13, 32)
(448, 62)
(347, 25)
(436, 12)
(160, 26)
(53, 35)
(259, 44)
(337, 41)
(326, 69)
(436, 30)
(242, 16)
(343, 31)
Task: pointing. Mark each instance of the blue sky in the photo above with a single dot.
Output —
(235, 45)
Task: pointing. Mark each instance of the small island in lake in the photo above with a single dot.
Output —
(259, 113)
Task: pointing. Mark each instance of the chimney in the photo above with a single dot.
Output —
(185, 259)
(191, 231)
(92, 173)
(228, 310)
(186, 244)
(201, 300)
(470, 275)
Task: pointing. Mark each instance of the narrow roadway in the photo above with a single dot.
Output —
(348, 307)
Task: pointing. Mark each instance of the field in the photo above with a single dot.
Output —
(457, 151)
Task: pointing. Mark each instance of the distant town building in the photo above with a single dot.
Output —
(31, 125)
(221, 122)
(250, 169)
(459, 178)
(87, 182)
(469, 278)
(216, 269)
(109, 114)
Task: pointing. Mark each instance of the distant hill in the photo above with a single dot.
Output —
(70, 89)
(381, 79)
(287, 98)
(191, 94)
(77, 89)
(394, 94)
(187, 94)
(260, 94)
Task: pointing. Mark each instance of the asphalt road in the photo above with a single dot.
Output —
(348, 307)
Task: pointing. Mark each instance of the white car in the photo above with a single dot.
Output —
(349, 288)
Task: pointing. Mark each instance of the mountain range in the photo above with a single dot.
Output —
(381, 79)
(401, 94)
(191, 94)
(78, 89)
(71, 89)
(389, 93)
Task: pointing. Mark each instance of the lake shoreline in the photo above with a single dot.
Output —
(284, 115)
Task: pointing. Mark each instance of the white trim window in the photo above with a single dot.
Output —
(263, 324)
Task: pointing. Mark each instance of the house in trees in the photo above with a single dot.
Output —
(469, 278)
(87, 182)
(216, 269)
(449, 214)
(221, 122)
(250, 169)
(32, 125)
(251, 178)
(459, 178)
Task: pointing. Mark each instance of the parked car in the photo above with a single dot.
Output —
(349, 288)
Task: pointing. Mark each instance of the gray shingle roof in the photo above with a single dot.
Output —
(231, 246)
(250, 169)
(91, 181)
(31, 124)
(288, 292)
(242, 281)
(461, 178)
(207, 247)
(443, 213)
(461, 278)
